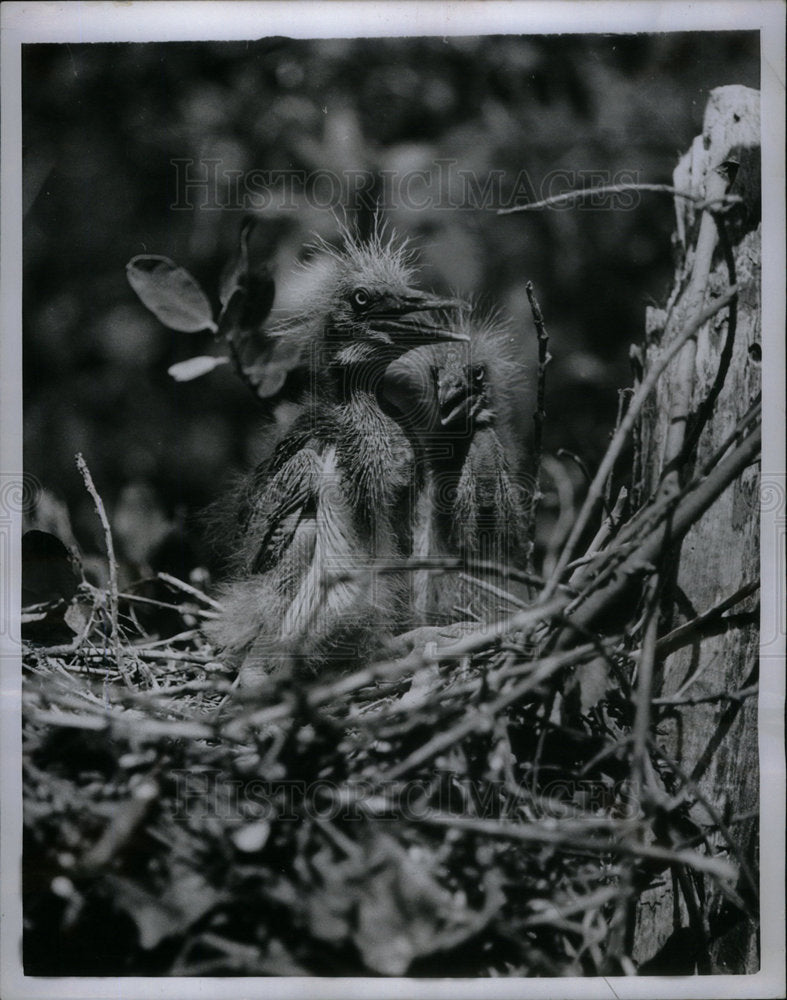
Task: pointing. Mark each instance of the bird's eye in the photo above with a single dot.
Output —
(360, 298)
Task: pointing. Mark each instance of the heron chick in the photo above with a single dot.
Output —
(339, 489)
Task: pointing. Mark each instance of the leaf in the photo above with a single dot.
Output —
(263, 359)
(254, 284)
(170, 293)
(252, 837)
(49, 570)
(185, 371)
(234, 275)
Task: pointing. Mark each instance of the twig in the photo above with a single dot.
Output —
(165, 605)
(128, 723)
(187, 588)
(623, 395)
(704, 410)
(440, 564)
(594, 900)
(740, 695)
(122, 828)
(644, 694)
(572, 455)
(113, 572)
(539, 416)
(488, 634)
(490, 588)
(577, 841)
(579, 193)
(141, 652)
(595, 490)
(637, 471)
(678, 637)
(654, 510)
(608, 526)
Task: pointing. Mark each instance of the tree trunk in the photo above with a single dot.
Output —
(715, 742)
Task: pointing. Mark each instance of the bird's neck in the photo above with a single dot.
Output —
(358, 369)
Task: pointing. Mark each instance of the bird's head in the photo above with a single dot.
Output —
(369, 307)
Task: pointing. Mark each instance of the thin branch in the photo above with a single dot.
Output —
(488, 634)
(644, 694)
(579, 194)
(690, 785)
(577, 841)
(623, 396)
(187, 588)
(539, 416)
(113, 570)
(708, 699)
(566, 512)
(683, 634)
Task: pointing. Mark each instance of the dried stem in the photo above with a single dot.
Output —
(578, 194)
(187, 588)
(645, 681)
(113, 570)
(579, 840)
(623, 396)
(609, 525)
(539, 416)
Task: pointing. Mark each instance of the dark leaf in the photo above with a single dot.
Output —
(235, 275)
(262, 359)
(170, 293)
(255, 285)
(49, 571)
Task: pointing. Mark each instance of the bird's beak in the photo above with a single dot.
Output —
(417, 318)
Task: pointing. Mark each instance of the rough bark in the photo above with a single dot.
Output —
(715, 743)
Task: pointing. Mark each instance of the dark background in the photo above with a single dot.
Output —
(103, 123)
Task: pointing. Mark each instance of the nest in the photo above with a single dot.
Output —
(480, 807)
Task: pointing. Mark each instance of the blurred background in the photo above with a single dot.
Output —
(111, 131)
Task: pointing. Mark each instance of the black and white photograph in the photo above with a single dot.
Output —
(392, 499)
